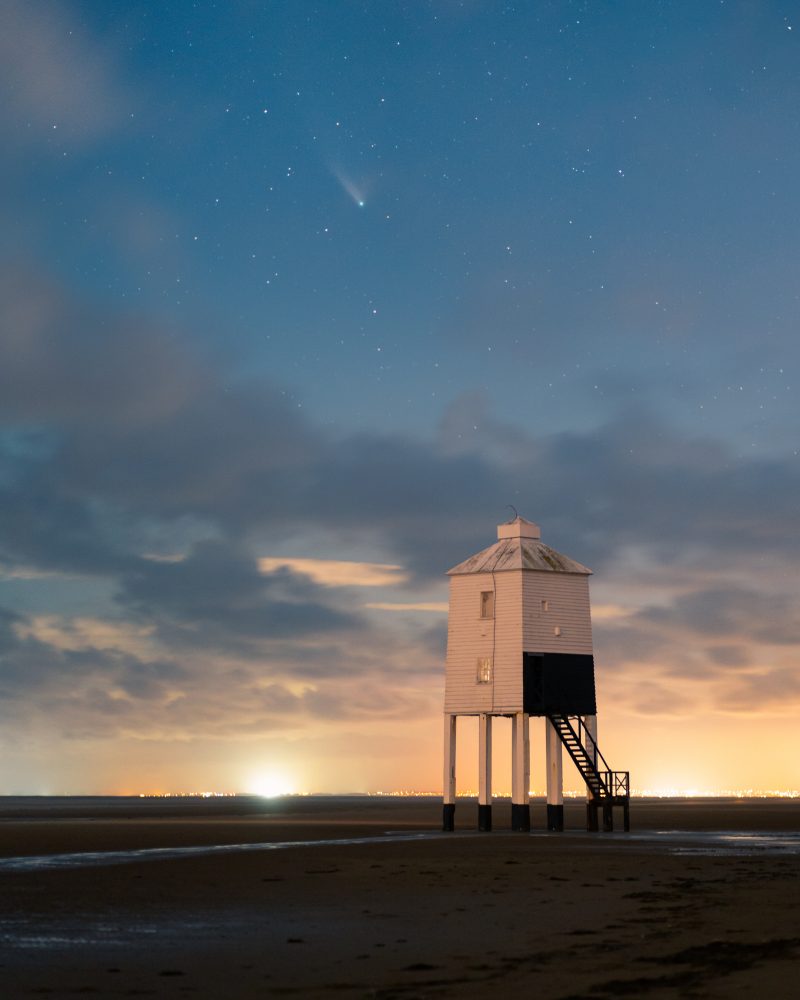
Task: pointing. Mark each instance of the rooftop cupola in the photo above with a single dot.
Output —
(519, 546)
(518, 528)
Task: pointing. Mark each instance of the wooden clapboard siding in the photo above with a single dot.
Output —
(568, 597)
(519, 624)
(470, 637)
(508, 643)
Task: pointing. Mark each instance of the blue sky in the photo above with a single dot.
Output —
(328, 282)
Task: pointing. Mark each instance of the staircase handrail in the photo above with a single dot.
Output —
(598, 756)
(591, 763)
(617, 783)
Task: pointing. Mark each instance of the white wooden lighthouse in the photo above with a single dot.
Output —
(519, 644)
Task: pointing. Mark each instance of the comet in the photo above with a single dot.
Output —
(349, 186)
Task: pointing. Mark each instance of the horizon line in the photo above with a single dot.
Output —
(748, 793)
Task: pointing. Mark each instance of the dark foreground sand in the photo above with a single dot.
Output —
(466, 915)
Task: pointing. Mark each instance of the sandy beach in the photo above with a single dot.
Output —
(701, 899)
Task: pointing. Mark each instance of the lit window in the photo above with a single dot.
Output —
(545, 605)
(487, 604)
(484, 670)
(557, 630)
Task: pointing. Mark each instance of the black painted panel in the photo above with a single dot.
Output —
(555, 818)
(521, 817)
(558, 684)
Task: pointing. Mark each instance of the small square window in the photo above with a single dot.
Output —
(557, 630)
(545, 605)
(487, 604)
(484, 670)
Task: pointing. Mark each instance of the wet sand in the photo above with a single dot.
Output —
(702, 899)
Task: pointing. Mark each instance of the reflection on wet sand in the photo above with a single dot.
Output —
(680, 842)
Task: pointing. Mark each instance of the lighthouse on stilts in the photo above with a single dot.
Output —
(519, 644)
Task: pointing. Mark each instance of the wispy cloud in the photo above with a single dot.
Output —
(609, 612)
(81, 633)
(439, 607)
(338, 572)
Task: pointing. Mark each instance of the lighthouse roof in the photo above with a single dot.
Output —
(519, 546)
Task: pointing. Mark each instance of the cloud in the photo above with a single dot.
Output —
(609, 612)
(653, 697)
(59, 83)
(338, 572)
(439, 607)
(129, 425)
(55, 675)
(8, 637)
(81, 633)
(217, 596)
(762, 617)
(719, 649)
(774, 688)
(703, 631)
(129, 456)
(90, 683)
(728, 655)
(67, 365)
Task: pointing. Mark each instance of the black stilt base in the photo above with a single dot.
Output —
(593, 816)
(449, 817)
(555, 818)
(521, 817)
(485, 818)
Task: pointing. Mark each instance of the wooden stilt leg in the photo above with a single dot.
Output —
(485, 773)
(449, 785)
(555, 778)
(520, 773)
(592, 824)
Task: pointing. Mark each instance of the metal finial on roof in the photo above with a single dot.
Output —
(516, 515)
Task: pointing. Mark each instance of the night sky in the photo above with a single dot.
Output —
(296, 298)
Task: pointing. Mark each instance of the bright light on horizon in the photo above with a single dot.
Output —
(271, 784)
